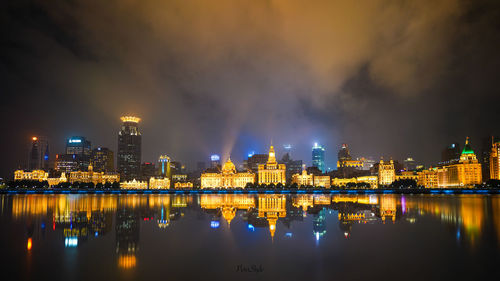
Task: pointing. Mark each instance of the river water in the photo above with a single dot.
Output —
(250, 237)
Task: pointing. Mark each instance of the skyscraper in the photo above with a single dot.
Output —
(318, 157)
(451, 153)
(103, 159)
(129, 148)
(39, 154)
(77, 155)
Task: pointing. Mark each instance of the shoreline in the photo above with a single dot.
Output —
(253, 191)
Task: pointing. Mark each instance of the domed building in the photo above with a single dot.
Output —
(272, 172)
(229, 177)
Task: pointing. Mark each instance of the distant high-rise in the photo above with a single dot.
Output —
(214, 161)
(318, 157)
(164, 168)
(129, 149)
(495, 161)
(451, 153)
(39, 154)
(103, 159)
(255, 160)
(77, 155)
(409, 164)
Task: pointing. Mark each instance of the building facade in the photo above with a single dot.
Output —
(134, 184)
(129, 148)
(227, 178)
(495, 161)
(386, 172)
(159, 183)
(35, 175)
(93, 177)
(272, 172)
(428, 178)
(465, 173)
(303, 179)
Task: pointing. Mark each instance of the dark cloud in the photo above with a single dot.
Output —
(391, 78)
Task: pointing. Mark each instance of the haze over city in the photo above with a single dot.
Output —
(390, 78)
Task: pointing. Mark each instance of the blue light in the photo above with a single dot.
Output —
(215, 157)
(251, 227)
(42, 225)
(71, 241)
(96, 234)
(251, 154)
(288, 234)
(214, 224)
(75, 141)
(46, 157)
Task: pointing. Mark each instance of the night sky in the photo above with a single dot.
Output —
(390, 78)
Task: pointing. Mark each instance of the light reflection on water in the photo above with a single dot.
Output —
(78, 221)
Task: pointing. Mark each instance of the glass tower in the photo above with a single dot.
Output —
(318, 157)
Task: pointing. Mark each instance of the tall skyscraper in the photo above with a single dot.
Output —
(103, 159)
(39, 154)
(129, 149)
(164, 168)
(318, 157)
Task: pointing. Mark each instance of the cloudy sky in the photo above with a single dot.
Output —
(390, 78)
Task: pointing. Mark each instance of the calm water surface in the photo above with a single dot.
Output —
(250, 237)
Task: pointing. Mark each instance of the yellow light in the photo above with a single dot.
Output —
(130, 119)
(30, 244)
(34, 138)
(127, 261)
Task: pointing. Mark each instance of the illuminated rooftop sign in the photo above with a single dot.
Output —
(215, 157)
(75, 141)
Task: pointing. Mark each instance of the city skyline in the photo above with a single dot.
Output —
(388, 79)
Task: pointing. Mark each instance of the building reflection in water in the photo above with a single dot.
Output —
(80, 218)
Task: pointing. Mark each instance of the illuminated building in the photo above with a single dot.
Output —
(183, 185)
(39, 154)
(303, 179)
(80, 149)
(36, 175)
(409, 164)
(129, 148)
(272, 207)
(272, 172)
(228, 178)
(345, 159)
(66, 163)
(495, 161)
(318, 157)
(93, 177)
(386, 172)
(159, 183)
(56, 181)
(103, 159)
(179, 178)
(371, 180)
(164, 166)
(321, 181)
(465, 173)
(428, 178)
(407, 175)
(228, 204)
(134, 184)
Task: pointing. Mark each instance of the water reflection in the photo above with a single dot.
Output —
(80, 218)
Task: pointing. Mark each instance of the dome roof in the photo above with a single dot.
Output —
(467, 148)
(228, 166)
